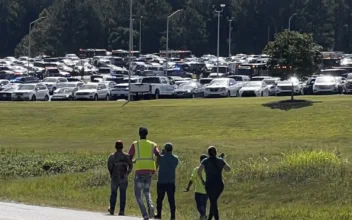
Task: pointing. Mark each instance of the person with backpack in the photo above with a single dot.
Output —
(120, 166)
(200, 195)
(214, 185)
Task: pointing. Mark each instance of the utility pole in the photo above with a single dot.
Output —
(230, 32)
(167, 38)
(140, 34)
(218, 46)
(130, 52)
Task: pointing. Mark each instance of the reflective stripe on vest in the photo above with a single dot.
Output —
(139, 153)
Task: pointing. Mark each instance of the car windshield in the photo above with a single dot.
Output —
(89, 87)
(270, 81)
(205, 81)
(132, 81)
(253, 84)
(219, 82)
(65, 90)
(325, 80)
(188, 85)
(26, 87)
(49, 80)
(69, 85)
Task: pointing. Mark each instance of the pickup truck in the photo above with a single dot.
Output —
(154, 87)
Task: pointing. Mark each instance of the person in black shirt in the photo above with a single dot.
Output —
(214, 184)
(120, 166)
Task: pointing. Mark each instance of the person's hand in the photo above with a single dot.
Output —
(222, 155)
(203, 182)
(187, 190)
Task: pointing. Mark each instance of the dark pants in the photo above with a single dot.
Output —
(201, 202)
(123, 188)
(169, 189)
(214, 191)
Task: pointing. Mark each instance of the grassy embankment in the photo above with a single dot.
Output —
(289, 161)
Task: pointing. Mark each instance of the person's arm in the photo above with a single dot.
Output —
(131, 152)
(227, 168)
(200, 170)
(110, 164)
(189, 185)
(130, 163)
(158, 156)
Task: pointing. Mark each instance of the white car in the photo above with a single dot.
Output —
(221, 87)
(271, 83)
(325, 84)
(4, 83)
(31, 92)
(75, 85)
(54, 82)
(254, 89)
(285, 87)
(121, 90)
(93, 91)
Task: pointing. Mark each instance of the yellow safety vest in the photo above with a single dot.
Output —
(144, 155)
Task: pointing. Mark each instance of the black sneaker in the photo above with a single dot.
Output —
(111, 211)
(157, 217)
(121, 213)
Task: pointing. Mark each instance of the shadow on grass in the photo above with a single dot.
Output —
(287, 105)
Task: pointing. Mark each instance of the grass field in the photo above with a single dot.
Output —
(290, 161)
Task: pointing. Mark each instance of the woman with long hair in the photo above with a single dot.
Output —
(214, 185)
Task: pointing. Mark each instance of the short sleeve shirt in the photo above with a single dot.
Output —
(198, 186)
(213, 167)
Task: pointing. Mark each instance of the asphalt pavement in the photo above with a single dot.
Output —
(13, 211)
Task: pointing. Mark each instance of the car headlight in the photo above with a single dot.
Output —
(189, 91)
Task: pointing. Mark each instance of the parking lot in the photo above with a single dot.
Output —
(102, 75)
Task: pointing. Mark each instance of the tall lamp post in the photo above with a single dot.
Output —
(218, 46)
(29, 37)
(289, 21)
(130, 52)
(140, 34)
(230, 32)
(167, 38)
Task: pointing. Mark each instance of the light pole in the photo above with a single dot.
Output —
(29, 37)
(130, 52)
(167, 38)
(140, 34)
(230, 32)
(289, 21)
(218, 46)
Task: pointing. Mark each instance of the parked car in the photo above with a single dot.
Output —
(6, 93)
(121, 90)
(64, 94)
(154, 86)
(190, 89)
(254, 89)
(221, 87)
(271, 83)
(3, 83)
(54, 82)
(348, 84)
(205, 81)
(25, 79)
(308, 86)
(325, 84)
(31, 92)
(240, 78)
(93, 91)
(285, 87)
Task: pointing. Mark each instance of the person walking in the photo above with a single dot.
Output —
(119, 166)
(143, 153)
(200, 195)
(214, 185)
(167, 181)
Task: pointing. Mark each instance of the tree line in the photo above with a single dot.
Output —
(74, 24)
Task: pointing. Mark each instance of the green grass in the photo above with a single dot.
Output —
(288, 163)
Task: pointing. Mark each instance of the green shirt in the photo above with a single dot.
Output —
(198, 186)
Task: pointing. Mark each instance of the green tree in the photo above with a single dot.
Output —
(296, 51)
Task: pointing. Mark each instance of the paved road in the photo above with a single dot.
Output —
(11, 211)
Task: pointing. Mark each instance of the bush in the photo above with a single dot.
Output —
(295, 166)
(31, 164)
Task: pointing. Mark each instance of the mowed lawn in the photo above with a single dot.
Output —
(248, 130)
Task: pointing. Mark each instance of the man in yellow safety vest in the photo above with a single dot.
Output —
(144, 153)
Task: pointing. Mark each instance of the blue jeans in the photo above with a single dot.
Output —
(142, 183)
(123, 188)
(201, 202)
